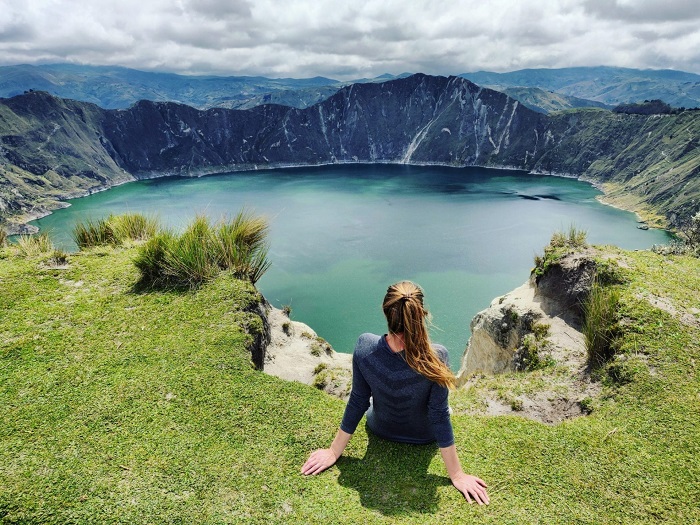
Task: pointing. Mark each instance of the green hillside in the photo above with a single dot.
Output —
(120, 406)
(610, 85)
(645, 163)
(120, 87)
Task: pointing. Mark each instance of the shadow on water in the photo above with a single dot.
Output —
(393, 478)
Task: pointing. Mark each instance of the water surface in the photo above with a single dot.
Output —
(341, 234)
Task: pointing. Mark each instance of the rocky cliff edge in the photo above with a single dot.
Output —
(536, 329)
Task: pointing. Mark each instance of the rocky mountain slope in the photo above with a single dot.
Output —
(52, 149)
(545, 101)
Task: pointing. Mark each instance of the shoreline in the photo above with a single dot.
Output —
(23, 223)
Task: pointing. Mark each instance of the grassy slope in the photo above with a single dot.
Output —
(647, 164)
(120, 407)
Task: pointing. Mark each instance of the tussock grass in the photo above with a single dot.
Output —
(37, 244)
(203, 250)
(3, 237)
(600, 324)
(114, 230)
(190, 258)
(93, 233)
(573, 239)
(133, 226)
(560, 244)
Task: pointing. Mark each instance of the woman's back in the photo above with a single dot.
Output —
(406, 406)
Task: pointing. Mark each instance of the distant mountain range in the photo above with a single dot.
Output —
(543, 90)
(609, 85)
(118, 87)
(53, 148)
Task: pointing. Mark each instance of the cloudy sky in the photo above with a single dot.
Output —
(351, 39)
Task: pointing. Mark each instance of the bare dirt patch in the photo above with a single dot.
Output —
(688, 318)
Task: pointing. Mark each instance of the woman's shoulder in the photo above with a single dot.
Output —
(366, 344)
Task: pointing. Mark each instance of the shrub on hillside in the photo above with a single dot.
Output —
(648, 107)
(203, 250)
(688, 244)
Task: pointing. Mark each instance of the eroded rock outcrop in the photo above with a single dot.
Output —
(553, 300)
(296, 353)
(535, 328)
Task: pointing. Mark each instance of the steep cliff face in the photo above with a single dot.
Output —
(505, 333)
(419, 119)
(52, 149)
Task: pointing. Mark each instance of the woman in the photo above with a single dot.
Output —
(401, 381)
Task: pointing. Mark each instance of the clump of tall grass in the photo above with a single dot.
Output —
(3, 237)
(203, 250)
(133, 226)
(93, 233)
(574, 238)
(37, 244)
(600, 324)
(241, 246)
(559, 245)
(191, 258)
(114, 230)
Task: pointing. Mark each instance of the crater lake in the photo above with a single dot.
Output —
(339, 235)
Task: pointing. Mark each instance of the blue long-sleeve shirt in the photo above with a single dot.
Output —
(405, 406)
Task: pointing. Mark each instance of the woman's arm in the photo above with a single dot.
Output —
(470, 486)
(321, 459)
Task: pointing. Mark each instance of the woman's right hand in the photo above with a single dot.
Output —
(318, 461)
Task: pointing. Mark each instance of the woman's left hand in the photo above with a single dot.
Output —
(318, 461)
(471, 487)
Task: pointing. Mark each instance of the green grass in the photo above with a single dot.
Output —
(114, 230)
(37, 244)
(127, 407)
(91, 233)
(133, 226)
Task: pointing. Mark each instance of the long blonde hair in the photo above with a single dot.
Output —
(405, 314)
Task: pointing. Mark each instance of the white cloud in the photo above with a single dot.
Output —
(344, 40)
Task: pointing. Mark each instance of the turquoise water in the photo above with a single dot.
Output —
(341, 234)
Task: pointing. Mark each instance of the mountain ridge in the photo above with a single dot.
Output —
(53, 148)
(605, 84)
(116, 87)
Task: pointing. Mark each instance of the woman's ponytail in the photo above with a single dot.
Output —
(405, 314)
